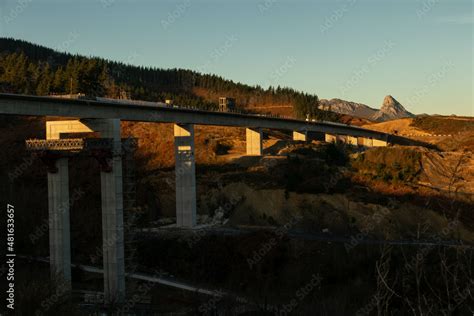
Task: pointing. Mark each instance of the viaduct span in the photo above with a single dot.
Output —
(104, 117)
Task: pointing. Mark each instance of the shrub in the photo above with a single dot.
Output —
(336, 154)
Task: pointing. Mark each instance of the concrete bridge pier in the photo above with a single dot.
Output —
(379, 143)
(330, 138)
(112, 206)
(365, 142)
(350, 140)
(112, 213)
(254, 140)
(370, 142)
(58, 206)
(301, 136)
(59, 226)
(307, 136)
(185, 175)
(346, 139)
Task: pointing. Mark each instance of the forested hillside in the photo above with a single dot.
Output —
(32, 69)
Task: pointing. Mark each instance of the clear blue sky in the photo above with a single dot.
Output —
(419, 51)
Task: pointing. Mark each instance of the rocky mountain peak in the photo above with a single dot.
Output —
(389, 103)
(391, 109)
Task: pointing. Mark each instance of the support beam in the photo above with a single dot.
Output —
(254, 141)
(54, 129)
(59, 227)
(185, 175)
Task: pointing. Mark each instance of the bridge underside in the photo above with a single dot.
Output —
(105, 118)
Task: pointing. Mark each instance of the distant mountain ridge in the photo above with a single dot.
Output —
(347, 107)
(391, 109)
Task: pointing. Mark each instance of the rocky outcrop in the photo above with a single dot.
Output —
(391, 109)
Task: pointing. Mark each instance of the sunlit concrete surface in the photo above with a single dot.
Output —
(254, 141)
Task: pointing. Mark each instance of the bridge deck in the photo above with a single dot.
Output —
(47, 106)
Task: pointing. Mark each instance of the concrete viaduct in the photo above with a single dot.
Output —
(104, 117)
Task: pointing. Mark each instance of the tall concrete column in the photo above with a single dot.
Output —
(379, 143)
(254, 141)
(329, 138)
(112, 215)
(59, 227)
(351, 140)
(366, 142)
(185, 175)
(307, 136)
(300, 136)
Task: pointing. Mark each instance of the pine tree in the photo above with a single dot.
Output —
(44, 82)
(59, 81)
